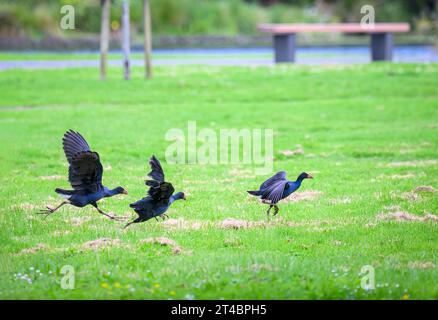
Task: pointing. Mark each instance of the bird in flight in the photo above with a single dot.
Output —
(278, 187)
(160, 196)
(85, 176)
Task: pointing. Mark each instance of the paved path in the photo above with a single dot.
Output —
(230, 57)
(58, 64)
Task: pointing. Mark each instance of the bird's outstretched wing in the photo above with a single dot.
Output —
(279, 176)
(156, 170)
(159, 190)
(85, 171)
(274, 192)
(74, 143)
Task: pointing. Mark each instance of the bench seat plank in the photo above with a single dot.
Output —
(334, 27)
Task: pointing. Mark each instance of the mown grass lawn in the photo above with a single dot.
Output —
(369, 136)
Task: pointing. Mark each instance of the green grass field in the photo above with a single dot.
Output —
(369, 137)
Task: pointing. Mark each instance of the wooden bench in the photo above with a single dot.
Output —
(284, 36)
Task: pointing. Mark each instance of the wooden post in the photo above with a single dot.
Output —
(125, 40)
(104, 37)
(147, 39)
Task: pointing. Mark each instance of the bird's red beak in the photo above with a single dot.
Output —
(309, 176)
(125, 192)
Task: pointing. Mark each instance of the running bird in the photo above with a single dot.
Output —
(160, 196)
(278, 187)
(85, 176)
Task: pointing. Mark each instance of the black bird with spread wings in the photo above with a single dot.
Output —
(278, 187)
(84, 174)
(160, 195)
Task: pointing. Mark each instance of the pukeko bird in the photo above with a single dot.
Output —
(160, 195)
(278, 187)
(84, 174)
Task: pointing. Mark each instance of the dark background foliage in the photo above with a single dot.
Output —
(35, 18)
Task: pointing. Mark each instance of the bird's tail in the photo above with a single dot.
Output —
(255, 193)
(133, 205)
(64, 192)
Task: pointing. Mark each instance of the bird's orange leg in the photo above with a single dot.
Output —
(51, 210)
(105, 214)
(134, 221)
(267, 212)
(129, 223)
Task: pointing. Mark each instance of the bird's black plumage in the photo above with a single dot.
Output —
(159, 190)
(160, 195)
(162, 192)
(84, 174)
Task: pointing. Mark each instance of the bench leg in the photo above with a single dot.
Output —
(381, 46)
(284, 46)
